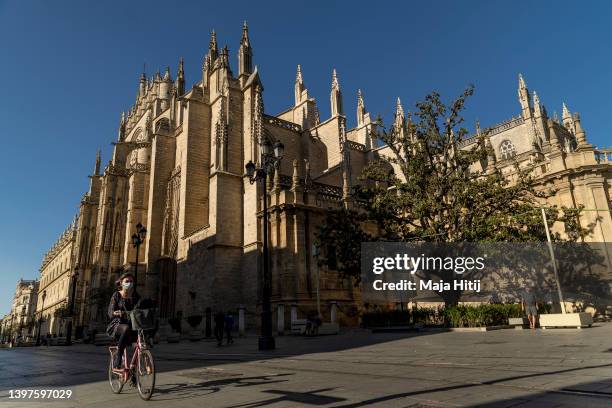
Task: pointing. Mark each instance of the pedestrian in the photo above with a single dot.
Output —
(229, 326)
(529, 304)
(219, 327)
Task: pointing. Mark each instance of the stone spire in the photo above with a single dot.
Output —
(212, 47)
(277, 181)
(361, 110)
(143, 85)
(554, 138)
(97, 165)
(524, 98)
(210, 58)
(336, 96)
(224, 58)
(122, 124)
(299, 85)
(180, 78)
(245, 53)
(537, 107)
(399, 120)
(567, 119)
(580, 134)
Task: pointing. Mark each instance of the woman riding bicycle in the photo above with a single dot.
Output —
(120, 327)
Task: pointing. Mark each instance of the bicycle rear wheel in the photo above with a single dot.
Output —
(145, 375)
(115, 380)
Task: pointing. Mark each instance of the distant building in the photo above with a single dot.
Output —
(178, 168)
(55, 283)
(20, 322)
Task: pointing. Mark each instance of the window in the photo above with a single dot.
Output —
(507, 150)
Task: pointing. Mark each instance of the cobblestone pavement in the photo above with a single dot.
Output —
(504, 368)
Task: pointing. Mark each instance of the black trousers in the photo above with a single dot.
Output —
(125, 336)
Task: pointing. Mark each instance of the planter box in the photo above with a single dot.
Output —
(298, 326)
(328, 328)
(59, 341)
(518, 322)
(577, 320)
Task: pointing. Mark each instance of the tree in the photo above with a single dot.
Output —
(339, 242)
(430, 188)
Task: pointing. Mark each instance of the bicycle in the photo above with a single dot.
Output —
(141, 365)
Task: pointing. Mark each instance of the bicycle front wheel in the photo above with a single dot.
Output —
(145, 374)
(115, 380)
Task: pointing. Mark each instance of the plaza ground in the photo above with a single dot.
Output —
(504, 368)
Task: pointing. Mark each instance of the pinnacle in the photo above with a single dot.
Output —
(335, 83)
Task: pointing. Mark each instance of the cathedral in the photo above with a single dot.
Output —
(178, 169)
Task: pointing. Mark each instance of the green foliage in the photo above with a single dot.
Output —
(481, 315)
(442, 192)
(448, 193)
(451, 316)
(339, 242)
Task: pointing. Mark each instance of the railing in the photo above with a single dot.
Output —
(508, 124)
(355, 146)
(324, 193)
(282, 123)
(603, 155)
(493, 130)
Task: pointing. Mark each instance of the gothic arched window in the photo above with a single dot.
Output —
(507, 150)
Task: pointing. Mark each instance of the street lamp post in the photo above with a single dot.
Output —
(270, 160)
(75, 277)
(137, 239)
(42, 309)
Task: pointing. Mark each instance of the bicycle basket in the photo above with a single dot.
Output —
(142, 319)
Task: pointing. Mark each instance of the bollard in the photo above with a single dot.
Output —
(208, 327)
(241, 320)
(280, 324)
(293, 313)
(334, 312)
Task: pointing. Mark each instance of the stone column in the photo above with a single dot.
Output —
(293, 313)
(241, 320)
(280, 324)
(334, 311)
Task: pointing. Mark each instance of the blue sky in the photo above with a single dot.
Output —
(68, 68)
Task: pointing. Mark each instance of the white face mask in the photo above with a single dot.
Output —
(127, 285)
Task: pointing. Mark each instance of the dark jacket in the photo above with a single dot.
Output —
(118, 302)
